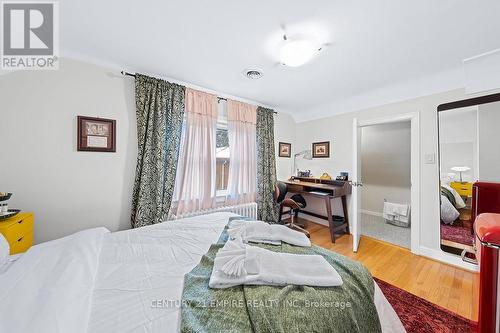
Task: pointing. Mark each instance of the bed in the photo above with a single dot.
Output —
(127, 281)
(451, 201)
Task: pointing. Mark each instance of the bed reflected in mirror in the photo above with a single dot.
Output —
(469, 151)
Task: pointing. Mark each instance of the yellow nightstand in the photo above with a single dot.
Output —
(18, 230)
(464, 189)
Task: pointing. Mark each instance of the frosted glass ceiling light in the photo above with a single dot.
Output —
(295, 53)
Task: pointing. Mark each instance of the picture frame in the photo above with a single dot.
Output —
(96, 134)
(285, 149)
(321, 149)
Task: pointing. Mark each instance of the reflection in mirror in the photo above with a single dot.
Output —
(469, 151)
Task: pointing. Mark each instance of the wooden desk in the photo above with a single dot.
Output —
(326, 190)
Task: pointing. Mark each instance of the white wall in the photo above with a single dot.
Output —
(385, 165)
(67, 190)
(338, 129)
(489, 142)
(284, 131)
(458, 143)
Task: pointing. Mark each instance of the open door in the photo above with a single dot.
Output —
(356, 185)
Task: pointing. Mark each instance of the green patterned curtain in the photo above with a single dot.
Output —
(160, 112)
(266, 166)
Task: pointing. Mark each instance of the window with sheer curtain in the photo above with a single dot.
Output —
(194, 188)
(217, 163)
(223, 158)
(241, 120)
(235, 153)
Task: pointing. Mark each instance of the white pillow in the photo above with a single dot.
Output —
(4, 249)
(448, 213)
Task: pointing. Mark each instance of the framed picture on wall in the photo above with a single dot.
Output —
(285, 149)
(96, 134)
(321, 149)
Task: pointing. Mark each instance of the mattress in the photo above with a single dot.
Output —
(127, 281)
(141, 272)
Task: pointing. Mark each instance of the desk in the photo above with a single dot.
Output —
(326, 190)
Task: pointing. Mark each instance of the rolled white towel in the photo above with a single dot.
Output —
(395, 209)
(237, 264)
(262, 232)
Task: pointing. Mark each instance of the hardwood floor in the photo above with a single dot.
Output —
(441, 284)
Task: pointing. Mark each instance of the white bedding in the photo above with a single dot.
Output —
(127, 281)
(49, 288)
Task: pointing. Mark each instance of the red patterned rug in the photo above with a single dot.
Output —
(419, 315)
(456, 234)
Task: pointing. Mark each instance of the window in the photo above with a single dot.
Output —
(222, 153)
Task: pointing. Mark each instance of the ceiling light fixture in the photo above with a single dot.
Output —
(295, 53)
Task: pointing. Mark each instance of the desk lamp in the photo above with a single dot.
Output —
(305, 154)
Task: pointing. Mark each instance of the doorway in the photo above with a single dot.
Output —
(386, 172)
(380, 162)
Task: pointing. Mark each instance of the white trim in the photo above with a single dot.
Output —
(389, 119)
(478, 150)
(481, 55)
(447, 258)
(356, 177)
(372, 213)
(414, 118)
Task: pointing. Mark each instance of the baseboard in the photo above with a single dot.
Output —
(447, 258)
(370, 212)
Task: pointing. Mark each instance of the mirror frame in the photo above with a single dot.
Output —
(446, 107)
(469, 102)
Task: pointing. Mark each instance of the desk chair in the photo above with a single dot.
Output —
(295, 203)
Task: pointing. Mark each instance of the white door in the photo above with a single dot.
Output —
(356, 185)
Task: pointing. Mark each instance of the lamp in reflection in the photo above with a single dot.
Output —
(460, 169)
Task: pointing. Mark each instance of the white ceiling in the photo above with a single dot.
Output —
(376, 46)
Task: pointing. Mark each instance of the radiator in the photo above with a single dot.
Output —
(248, 209)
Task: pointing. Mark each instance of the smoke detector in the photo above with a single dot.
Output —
(253, 73)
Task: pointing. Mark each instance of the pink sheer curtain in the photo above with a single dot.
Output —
(242, 119)
(195, 183)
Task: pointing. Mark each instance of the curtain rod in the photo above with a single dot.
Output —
(218, 98)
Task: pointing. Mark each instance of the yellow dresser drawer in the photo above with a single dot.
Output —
(464, 189)
(22, 244)
(18, 231)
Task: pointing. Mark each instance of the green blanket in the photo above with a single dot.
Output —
(447, 193)
(348, 308)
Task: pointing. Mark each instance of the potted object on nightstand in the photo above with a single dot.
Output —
(16, 227)
(5, 212)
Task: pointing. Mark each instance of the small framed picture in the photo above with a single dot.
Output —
(321, 149)
(285, 149)
(96, 134)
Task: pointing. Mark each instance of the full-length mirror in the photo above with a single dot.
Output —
(469, 151)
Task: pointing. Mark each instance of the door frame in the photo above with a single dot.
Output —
(356, 183)
(414, 118)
